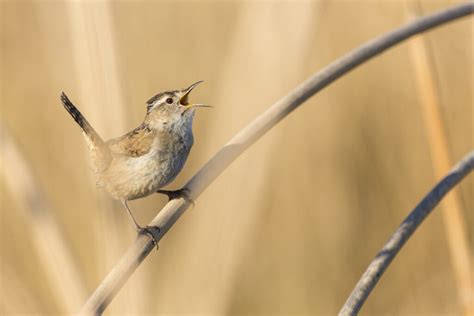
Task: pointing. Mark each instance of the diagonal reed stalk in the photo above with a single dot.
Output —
(55, 258)
(117, 277)
(383, 259)
(16, 295)
(453, 215)
(97, 76)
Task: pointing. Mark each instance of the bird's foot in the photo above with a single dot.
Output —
(152, 231)
(177, 194)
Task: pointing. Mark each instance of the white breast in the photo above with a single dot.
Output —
(135, 177)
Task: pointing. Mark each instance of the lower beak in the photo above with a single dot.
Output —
(189, 107)
(200, 106)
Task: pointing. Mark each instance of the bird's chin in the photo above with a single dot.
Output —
(189, 112)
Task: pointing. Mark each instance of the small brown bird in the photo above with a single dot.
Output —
(149, 157)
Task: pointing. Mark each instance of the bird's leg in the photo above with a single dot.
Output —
(181, 193)
(151, 231)
(129, 212)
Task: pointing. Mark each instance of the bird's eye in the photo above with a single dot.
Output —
(169, 101)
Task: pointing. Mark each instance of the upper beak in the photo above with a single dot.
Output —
(191, 87)
(184, 101)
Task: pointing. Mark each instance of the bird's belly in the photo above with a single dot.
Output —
(135, 177)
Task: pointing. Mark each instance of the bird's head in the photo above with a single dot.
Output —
(170, 108)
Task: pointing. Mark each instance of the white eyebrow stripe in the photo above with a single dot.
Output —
(162, 98)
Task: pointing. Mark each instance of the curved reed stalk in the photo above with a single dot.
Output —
(53, 252)
(454, 219)
(97, 74)
(16, 295)
(109, 287)
(378, 266)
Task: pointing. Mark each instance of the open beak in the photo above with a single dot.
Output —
(184, 101)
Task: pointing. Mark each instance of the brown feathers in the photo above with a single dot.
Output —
(134, 144)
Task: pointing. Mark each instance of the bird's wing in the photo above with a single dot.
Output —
(133, 144)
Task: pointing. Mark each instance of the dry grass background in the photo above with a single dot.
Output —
(291, 225)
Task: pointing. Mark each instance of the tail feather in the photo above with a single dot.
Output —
(100, 153)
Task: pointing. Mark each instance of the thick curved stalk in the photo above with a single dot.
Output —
(247, 136)
(378, 266)
(431, 108)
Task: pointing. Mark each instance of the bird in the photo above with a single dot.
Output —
(147, 158)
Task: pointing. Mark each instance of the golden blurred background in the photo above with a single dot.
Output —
(291, 225)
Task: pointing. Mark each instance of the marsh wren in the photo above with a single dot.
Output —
(149, 157)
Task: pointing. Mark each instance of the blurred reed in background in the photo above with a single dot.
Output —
(286, 228)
